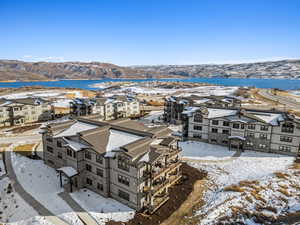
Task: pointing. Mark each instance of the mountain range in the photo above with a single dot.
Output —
(25, 71)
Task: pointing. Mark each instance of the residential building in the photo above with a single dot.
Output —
(122, 159)
(174, 106)
(267, 131)
(26, 110)
(109, 108)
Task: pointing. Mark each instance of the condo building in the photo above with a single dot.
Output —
(111, 108)
(121, 159)
(243, 129)
(174, 106)
(26, 110)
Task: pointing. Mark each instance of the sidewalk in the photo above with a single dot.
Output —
(26, 196)
(81, 213)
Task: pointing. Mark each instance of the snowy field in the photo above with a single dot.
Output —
(253, 184)
(12, 206)
(153, 116)
(42, 182)
(204, 151)
(102, 209)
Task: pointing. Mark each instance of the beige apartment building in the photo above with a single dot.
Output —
(26, 110)
(122, 159)
(111, 108)
(267, 131)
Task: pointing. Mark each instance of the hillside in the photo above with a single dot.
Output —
(19, 70)
(273, 69)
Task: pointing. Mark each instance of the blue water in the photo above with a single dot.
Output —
(283, 84)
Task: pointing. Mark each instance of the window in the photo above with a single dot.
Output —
(225, 131)
(285, 148)
(225, 142)
(197, 135)
(249, 143)
(49, 149)
(198, 118)
(123, 163)
(59, 155)
(251, 126)
(262, 146)
(123, 195)
(59, 144)
(251, 134)
(49, 139)
(71, 153)
(197, 127)
(286, 139)
(263, 136)
(88, 155)
(214, 130)
(100, 186)
(225, 123)
(89, 181)
(123, 180)
(213, 140)
(242, 126)
(287, 128)
(99, 159)
(236, 126)
(264, 127)
(215, 122)
(99, 172)
(88, 167)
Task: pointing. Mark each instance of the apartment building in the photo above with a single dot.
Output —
(108, 108)
(174, 106)
(26, 110)
(267, 131)
(122, 159)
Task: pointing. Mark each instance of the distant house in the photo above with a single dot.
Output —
(122, 159)
(26, 110)
(174, 106)
(108, 108)
(267, 131)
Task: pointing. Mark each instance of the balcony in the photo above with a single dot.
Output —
(166, 169)
(158, 202)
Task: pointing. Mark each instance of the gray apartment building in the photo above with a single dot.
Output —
(122, 159)
(110, 108)
(26, 110)
(267, 131)
(174, 106)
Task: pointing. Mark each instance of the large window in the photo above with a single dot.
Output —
(99, 172)
(100, 186)
(197, 127)
(123, 163)
(287, 128)
(99, 159)
(264, 128)
(88, 155)
(285, 148)
(215, 122)
(198, 118)
(123, 180)
(59, 144)
(250, 134)
(124, 195)
(225, 131)
(88, 167)
(251, 126)
(226, 123)
(214, 130)
(89, 181)
(286, 139)
(236, 126)
(263, 136)
(49, 149)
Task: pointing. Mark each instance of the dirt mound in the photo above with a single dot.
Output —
(178, 194)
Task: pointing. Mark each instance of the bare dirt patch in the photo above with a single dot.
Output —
(178, 195)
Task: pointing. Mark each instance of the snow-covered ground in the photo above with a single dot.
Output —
(204, 151)
(2, 167)
(12, 207)
(265, 191)
(153, 116)
(42, 182)
(102, 209)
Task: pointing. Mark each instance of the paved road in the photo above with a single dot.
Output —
(289, 102)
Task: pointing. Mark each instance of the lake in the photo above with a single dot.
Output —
(284, 84)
